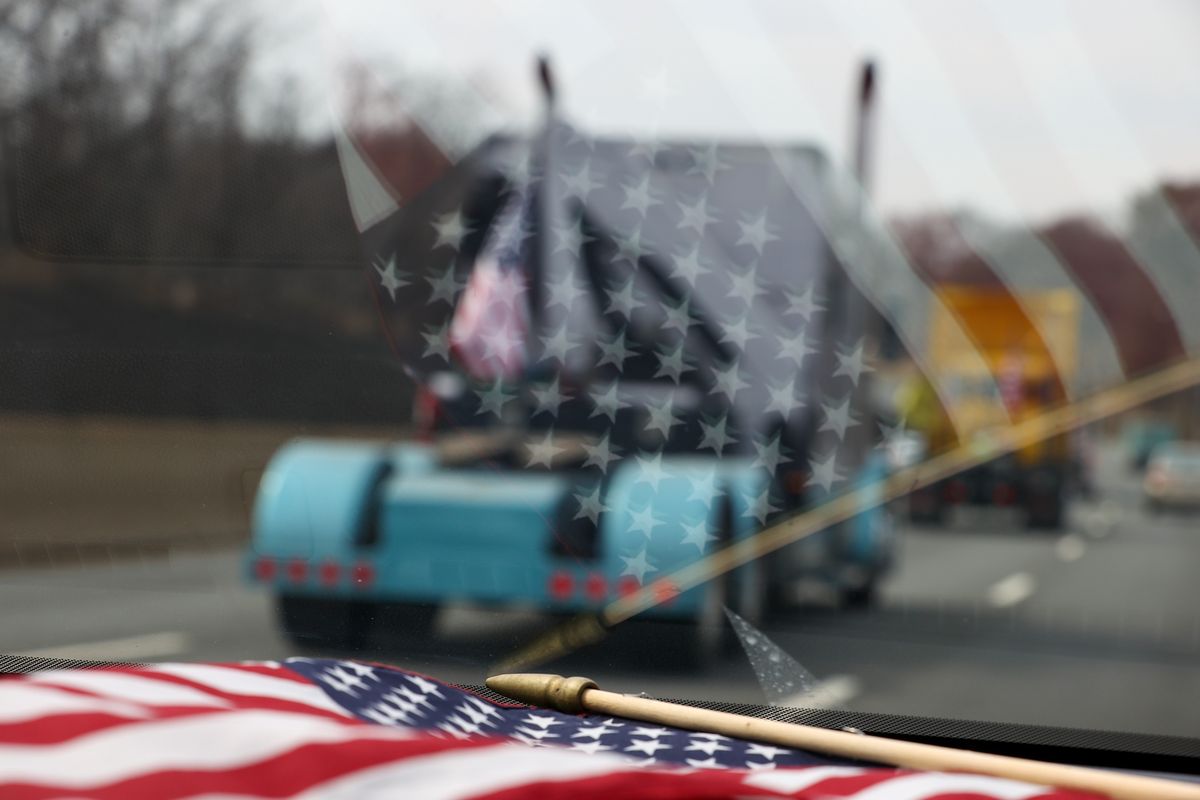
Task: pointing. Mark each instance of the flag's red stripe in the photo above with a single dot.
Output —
(1139, 320)
(281, 776)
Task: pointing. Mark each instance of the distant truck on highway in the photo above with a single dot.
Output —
(1029, 380)
(609, 446)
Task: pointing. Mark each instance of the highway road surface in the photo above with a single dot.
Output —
(1095, 626)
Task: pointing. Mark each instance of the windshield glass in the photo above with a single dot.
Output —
(822, 354)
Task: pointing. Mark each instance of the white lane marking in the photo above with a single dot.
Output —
(1070, 547)
(1011, 590)
(132, 648)
(834, 691)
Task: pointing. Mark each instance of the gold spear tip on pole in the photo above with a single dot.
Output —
(545, 691)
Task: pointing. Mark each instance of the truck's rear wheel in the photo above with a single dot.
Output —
(926, 506)
(320, 623)
(1045, 499)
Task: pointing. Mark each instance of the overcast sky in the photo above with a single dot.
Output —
(1020, 108)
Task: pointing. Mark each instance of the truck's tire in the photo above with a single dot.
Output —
(406, 622)
(864, 596)
(1044, 512)
(325, 623)
(926, 506)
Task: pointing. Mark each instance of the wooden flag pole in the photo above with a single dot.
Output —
(576, 695)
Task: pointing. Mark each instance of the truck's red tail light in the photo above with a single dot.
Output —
(1003, 495)
(427, 408)
(265, 569)
(297, 570)
(329, 573)
(561, 585)
(362, 575)
(596, 588)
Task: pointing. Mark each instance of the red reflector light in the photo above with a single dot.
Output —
(596, 587)
(329, 573)
(265, 569)
(561, 585)
(627, 586)
(362, 575)
(297, 570)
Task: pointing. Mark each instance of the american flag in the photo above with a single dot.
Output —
(323, 728)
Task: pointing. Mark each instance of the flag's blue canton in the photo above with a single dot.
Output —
(392, 697)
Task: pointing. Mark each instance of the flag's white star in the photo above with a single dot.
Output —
(590, 505)
(652, 732)
(637, 565)
(569, 237)
(557, 345)
(445, 287)
(361, 670)
(707, 746)
(622, 301)
(639, 197)
(744, 286)
(755, 233)
(803, 304)
(838, 418)
(695, 216)
(795, 348)
(548, 398)
(825, 473)
(761, 506)
(769, 454)
(704, 488)
(705, 162)
(782, 399)
(651, 471)
(647, 746)
(891, 433)
(851, 364)
(388, 277)
(678, 316)
(591, 748)
(425, 685)
(494, 399)
(758, 765)
(716, 435)
(643, 522)
(450, 227)
(593, 731)
(437, 341)
(614, 351)
(607, 402)
(508, 286)
(600, 454)
(765, 751)
(343, 681)
(661, 418)
(728, 381)
(689, 267)
(646, 148)
(629, 248)
(543, 721)
(580, 182)
(563, 293)
(697, 533)
(671, 364)
(738, 333)
(499, 341)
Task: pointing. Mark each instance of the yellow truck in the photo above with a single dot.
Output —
(1021, 362)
